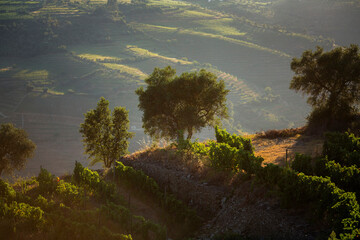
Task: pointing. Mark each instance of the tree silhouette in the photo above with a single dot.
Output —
(15, 148)
(332, 81)
(105, 134)
(173, 105)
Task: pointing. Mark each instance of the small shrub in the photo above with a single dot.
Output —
(6, 191)
(302, 163)
(47, 181)
(70, 193)
(283, 133)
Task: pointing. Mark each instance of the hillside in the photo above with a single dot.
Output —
(58, 57)
(180, 193)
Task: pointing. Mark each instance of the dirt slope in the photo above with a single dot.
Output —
(242, 208)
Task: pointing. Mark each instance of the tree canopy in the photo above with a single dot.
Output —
(15, 148)
(105, 135)
(173, 105)
(332, 81)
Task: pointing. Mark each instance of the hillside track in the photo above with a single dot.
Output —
(243, 208)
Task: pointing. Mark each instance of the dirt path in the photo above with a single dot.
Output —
(244, 209)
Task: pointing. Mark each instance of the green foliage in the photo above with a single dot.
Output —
(236, 141)
(346, 178)
(223, 157)
(332, 79)
(22, 215)
(137, 224)
(117, 213)
(103, 190)
(43, 203)
(343, 148)
(200, 148)
(15, 148)
(175, 104)
(47, 181)
(70, 193)
(105, 134)
(140, 181)
(340, 207)
(65, 228)
(85, 175)
(145, 228)
(6, 191)
(302, 163)
(230, 153)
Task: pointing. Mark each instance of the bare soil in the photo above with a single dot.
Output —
(226, 204)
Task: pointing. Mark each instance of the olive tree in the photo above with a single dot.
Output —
(173, 105)
(105, 134)
(332, 81)
(15, 148)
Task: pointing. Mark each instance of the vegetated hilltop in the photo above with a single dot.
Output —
(59, 57)
(213, 190)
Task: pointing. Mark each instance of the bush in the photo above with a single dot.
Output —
(47, 181)
(223, 157)
(85, 176)
(236, 141)
(6, 191)
(302, 163)
(65, 228)
(343, 148)
(22, 215)
(340, 208)
(284, 133)
(346, 178)
(70, 193)
(233, 153)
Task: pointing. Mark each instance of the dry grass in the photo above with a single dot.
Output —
(283, 133)
(282, 150)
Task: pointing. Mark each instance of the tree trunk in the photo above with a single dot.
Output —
(190, 133)
(180, 136)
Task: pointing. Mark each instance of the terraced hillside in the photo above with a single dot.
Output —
(59, 57)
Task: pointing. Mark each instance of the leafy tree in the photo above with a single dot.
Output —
(173, 104)
(105, 134)
(332, 79)
(15, 148)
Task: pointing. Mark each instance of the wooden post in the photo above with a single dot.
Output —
(286, 158)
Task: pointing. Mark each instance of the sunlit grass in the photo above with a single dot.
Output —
(168, 3)
(18, 2)
(194, 14)
(57, 10)
(146, 53)
(14, 15)
(6, 69)
(164, 29)
(32, 75)
(95, 57)
(56, 93)
(126, 69)
(219, 26)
